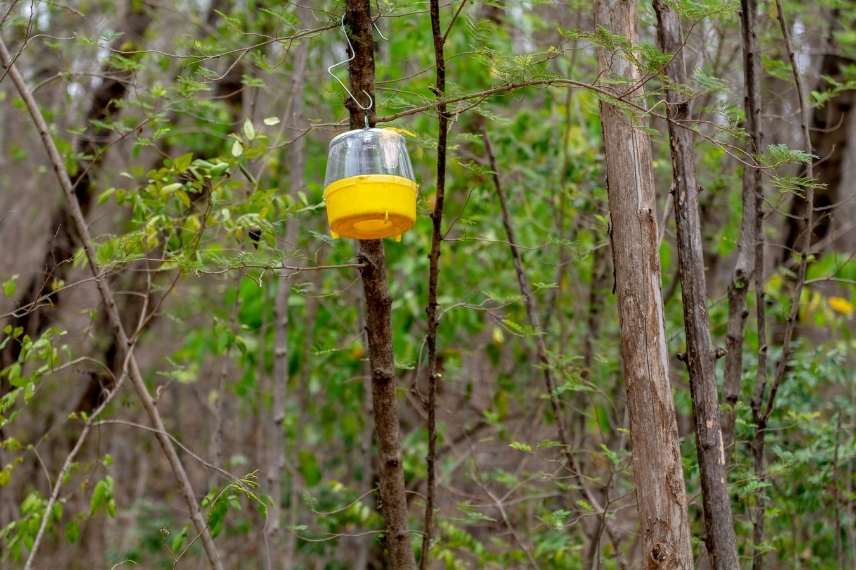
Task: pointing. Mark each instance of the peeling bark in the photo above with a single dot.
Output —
(657, 469)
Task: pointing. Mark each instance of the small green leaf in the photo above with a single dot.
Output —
(72, 531)
(178, 540)
(183, 162)
(237, 149)
(271, 121)
(9, 286)
(102, 497)
(584, 505)
(520, 446)
(219, 169)
(104, 196)
(13, 373)
(183, 198)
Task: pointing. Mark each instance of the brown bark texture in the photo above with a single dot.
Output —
(700, 358)
(358, 20)
(657, 469)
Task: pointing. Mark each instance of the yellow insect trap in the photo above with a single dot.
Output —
(369, 189)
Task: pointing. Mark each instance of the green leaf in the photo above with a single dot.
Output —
(237, 149)
(781, 154)
(271, 121)
(102, 497)
(9, 286)
(13, 373)
(72, 531)
(183, 162)
(611, 455)
(520, 446)
(104, 196)
(183, 198)
(178, 541)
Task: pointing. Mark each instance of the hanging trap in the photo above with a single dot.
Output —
(369, 188)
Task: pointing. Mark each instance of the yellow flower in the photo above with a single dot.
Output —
(841, 305)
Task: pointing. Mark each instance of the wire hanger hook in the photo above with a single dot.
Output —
(348, 60)
(344, 61)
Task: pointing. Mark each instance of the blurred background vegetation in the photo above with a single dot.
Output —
(176, 117)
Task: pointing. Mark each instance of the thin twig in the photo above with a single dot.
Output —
(69, 460)
(452, 21)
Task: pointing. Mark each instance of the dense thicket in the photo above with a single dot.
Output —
(619, 335)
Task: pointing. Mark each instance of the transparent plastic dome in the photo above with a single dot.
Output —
(369, 189)
(365, 152)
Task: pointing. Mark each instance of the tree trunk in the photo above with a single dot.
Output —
(378, 313)
(761, 407)
(746, 264)
(657, 468)
(433, 277)
(719, 525)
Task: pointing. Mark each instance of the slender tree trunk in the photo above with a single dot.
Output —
(657, 468)
(753, 106)
(282, 552)
(763, 404)
(719, 525)
(433, 276)
(378, 315)
(746, 264)
(118, 329)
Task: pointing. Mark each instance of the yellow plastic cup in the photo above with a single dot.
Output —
(371, 206)
(370, 188)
